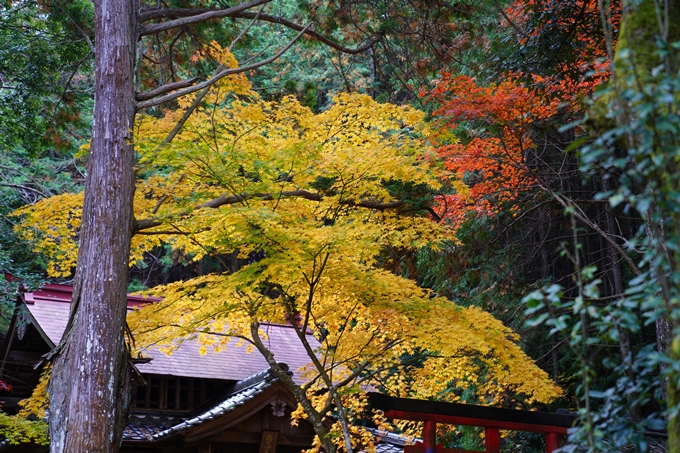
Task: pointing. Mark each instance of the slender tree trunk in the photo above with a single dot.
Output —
(313, 416)
(90, 385)
(617, 288)
(543, 218)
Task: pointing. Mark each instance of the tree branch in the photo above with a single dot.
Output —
(500, 9)
(215, 78)
(314, 417)
(165, 89)
(318, 36)
(159, 13)
(245, 30)
(193, 19)
(145, 224)
(26, 188)
(579, 214)
(244, 14)
(194, 105)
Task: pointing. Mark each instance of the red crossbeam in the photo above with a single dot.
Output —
(470, 421)
(421, 449)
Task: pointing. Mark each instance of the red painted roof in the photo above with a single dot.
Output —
(50, 306)
(63, 293)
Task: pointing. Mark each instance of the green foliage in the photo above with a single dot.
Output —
(418, 39)
(641, 152)
(45, 105)
(475, 269)
(45, 62)
(608, 420)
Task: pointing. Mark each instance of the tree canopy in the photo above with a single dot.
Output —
(308, 202)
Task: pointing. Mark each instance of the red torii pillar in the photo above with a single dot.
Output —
(430, 437)
(491, 419)
(492, 440)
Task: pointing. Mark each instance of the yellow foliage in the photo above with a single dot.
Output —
(18, 429)
(310, 200)
(39, 401)
(52, 226)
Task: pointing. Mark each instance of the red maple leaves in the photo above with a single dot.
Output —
(4, 386)
(498, 123)
(491, 161)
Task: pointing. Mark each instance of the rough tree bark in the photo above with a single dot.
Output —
(89, 388)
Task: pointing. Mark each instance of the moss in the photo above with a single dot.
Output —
(637, 44)
(598, 120)
(639, 28)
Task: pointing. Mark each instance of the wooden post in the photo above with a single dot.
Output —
(430, 437)
(551, 442)
(493, 440)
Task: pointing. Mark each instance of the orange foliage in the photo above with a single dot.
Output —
(491, 164)
(501, 120)
(577, 28)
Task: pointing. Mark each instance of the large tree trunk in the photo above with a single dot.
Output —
(89, 388)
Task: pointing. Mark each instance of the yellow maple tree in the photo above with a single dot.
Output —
(309, 201)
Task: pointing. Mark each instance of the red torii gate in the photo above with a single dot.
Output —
(490, 418)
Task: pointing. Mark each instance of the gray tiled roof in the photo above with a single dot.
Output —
(150, 427)
(654, 445)
(157, 427)
(245, 391)
(388, 442)
(384, 447)
(142, 427)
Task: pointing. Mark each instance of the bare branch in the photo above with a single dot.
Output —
(245, 30)
(579, 214)
(215, 78)
(26, 188)
(318, 36)
(80, 29)
(211, 14)
(233, 199)
(194, 105)
(68, 83)
(165, 89)
(193, 13)
(166, 233)
(501, 10)
(160, 13)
